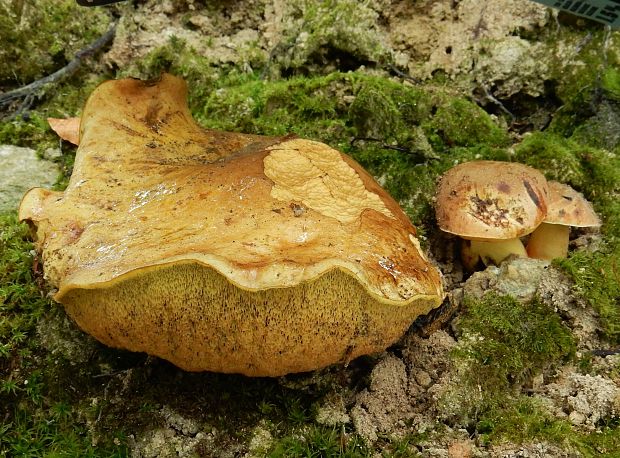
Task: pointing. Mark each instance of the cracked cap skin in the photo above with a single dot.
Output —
(223, 251)
(491, 200)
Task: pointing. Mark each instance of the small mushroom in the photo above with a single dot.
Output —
(222, 251)
(490, 204)
(567, 207)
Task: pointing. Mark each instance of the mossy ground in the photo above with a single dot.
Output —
(56, 403)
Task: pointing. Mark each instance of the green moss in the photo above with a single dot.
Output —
(601, 130)
(582, 61)
(521, 419)
(38, 37)
(320, 441)
(554, 156)
(594, 172)
(34, 424)
(50, 432)
(405, 447)
(511, 341)
(318, 30)
(610, 83)
(604, 443)
(459, 122)
(33, 132)
(587, 81)
(503, 344)
(21, 303)
(592, 116)
(597, 279)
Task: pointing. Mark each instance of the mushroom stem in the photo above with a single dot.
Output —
(549, 241)
(490, 252)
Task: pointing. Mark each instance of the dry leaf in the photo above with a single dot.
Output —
(67, 128)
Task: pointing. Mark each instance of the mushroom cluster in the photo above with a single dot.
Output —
(222, 251)
(492, 204)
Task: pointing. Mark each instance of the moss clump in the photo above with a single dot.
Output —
(180, 59)
(503, 344)
(39, 37)
(320, 441)
(555, 156)
(21, 303)
(33, 132)
(592, 116)
(459, 122)
(388, 111)
(344, 31)
(509, 341)
(581, 63)
(610, 83)
(34, 423)
(597, 279)
(585, 78)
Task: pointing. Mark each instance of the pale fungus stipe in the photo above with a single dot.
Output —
(490, 204)
(566, 208)
(223, 251)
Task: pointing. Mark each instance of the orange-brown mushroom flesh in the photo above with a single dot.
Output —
(223, 251)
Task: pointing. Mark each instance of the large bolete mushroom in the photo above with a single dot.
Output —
(491, 204)
(222, 251)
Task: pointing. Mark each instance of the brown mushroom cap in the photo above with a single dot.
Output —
(222, 251)
(491, 200)
(569, 208)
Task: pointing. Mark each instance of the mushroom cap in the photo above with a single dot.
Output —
(491, 200)
(569, 208)
(223, 251)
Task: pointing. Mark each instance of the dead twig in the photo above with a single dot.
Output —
(403, 75)
(491, 98)
(383, 144)
(604, 353)
(27, 92)
(418, 155)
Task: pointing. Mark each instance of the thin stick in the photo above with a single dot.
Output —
(499, 104)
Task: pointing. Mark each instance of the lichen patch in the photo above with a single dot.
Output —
(317, 175)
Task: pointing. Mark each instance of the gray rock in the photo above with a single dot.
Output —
(517, 277)
(21, 170)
